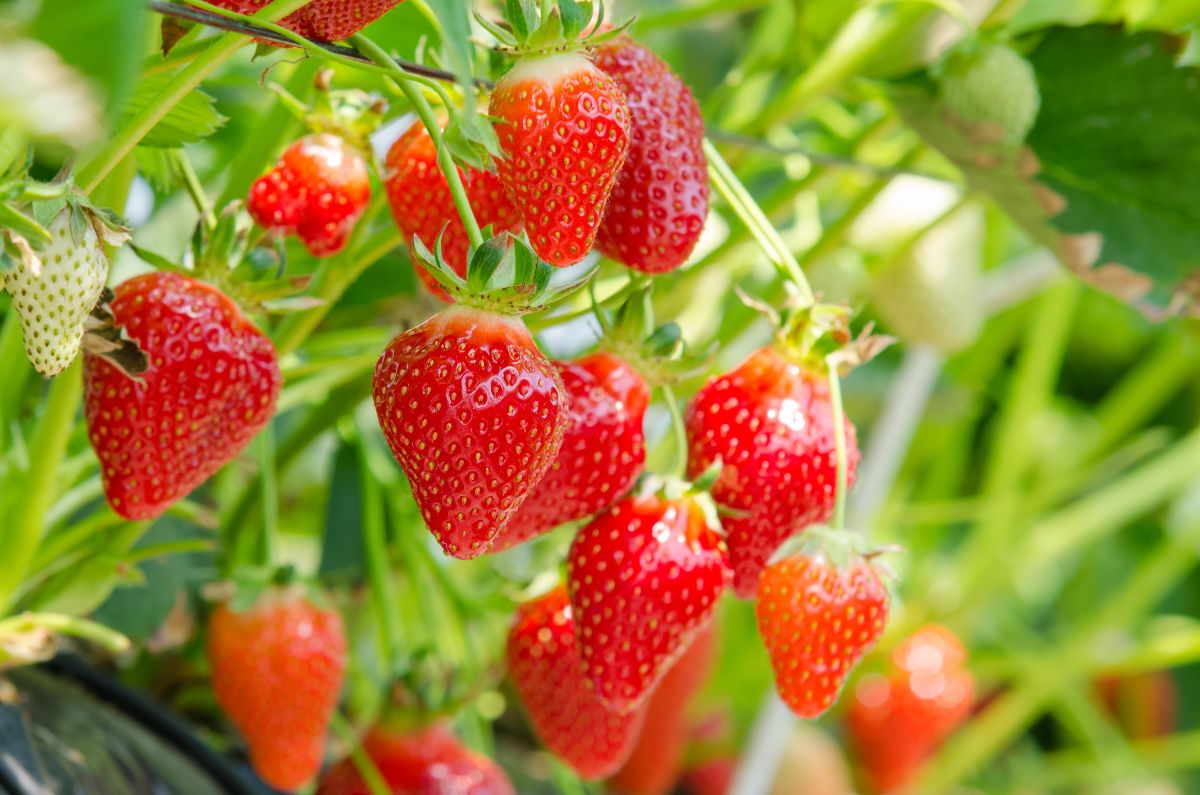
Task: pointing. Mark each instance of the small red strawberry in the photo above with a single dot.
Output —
(660, 202)
(603, 451)
(771, 424)
(423, 208)
(657, 759)
(564, 129)
(644, 578)
(430, 761)
(210, 387)
(547, 672)
(711, 777)
(475, 415)
(277, 672)
(817, 621)
(322, 20)
(317, 191)
(897, 721)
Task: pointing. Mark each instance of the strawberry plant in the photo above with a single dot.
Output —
(549, 397)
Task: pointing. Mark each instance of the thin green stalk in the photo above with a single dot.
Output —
(196, 190)
(379, 573)
(678, 431)
(269, 545)
(15, 370)
(421, 105)
(74, 626)
(743, 204)
(365, 765)
(20, 536)
(839, 445)
(189, 78)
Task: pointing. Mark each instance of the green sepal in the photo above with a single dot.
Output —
(19, 223)
(484, 262)
(660, 353)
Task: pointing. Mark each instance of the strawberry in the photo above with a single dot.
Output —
(423, 208)
(53, 303)
(770, 422)
(817, 621)
(657, 758)
(317, 191)
(564, 130)
(430, 761)
(277, 672)
(603, 451)
(547, 672)
(897, 721)
(994, 89)
(644, 578)
(210, 387)
(711, 777)
(660, 202)
(475, 415)
(322, 20)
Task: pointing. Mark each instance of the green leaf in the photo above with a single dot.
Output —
(157, 166)
(457, 52)
(192, 120)
(1136, 14)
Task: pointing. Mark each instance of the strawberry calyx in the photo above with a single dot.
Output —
(504, 276)
(252, 586)
(658, 353)
(839, 548)
(568, 26)
(28, 207)
(812, 335)
(351, 114)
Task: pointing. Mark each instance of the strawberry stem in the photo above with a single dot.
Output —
(268, 548)
(192, 182)
(379, 573)
(421, 105)
(349, 737)
(679, 431)
(839, 446)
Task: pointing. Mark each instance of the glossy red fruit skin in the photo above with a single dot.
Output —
(547, 672)
(423, 207)
(644, 578)
(660, 202)
(430, 761)
(322, 20)
(317, 191)
(277, 673)
(211, 386)
(475, 415)
(655, 765)
(817, 622)
(897, 721)
(564, 128)
(770, 422)
(603, 451)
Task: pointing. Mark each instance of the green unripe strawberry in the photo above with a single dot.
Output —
(995, 87)
(53, 302)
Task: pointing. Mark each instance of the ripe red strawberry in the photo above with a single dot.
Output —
(547, 672)
(897, 721)
(660, 202)
(564, 128)
(770, 422)
(817, 621)
(712, 777)
(211, 386)
(644, 578)
(277, 672)
(430, 761)
(423, 208)
(657, 758)
(317, 191)
(323, 20)
(603, 451)
(475, 415)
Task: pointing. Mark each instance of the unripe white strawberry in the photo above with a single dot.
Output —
(53, 305)
(995, 87)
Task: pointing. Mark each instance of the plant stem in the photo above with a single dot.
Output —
(743, 204)
(135, 129)
(74, 626)
(839, 445)
(375, 548)
(269, 547)
(365, 765)
(421, 105)
(678, 431)
(194, 188)
(15, 370)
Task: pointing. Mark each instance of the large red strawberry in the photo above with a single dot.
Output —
(564, 128)
(897, 721)
(660, 202)
(644, 578)
(423, 207)
(771, 424)
(603, 451)
(210, 387)
(817, 621)
(657, 759)
(547, 672)
(475, 415)
(430, 761)
(277, 672)
(317, 191)
(323, 20)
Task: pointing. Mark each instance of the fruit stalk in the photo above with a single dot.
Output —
(838, 521)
